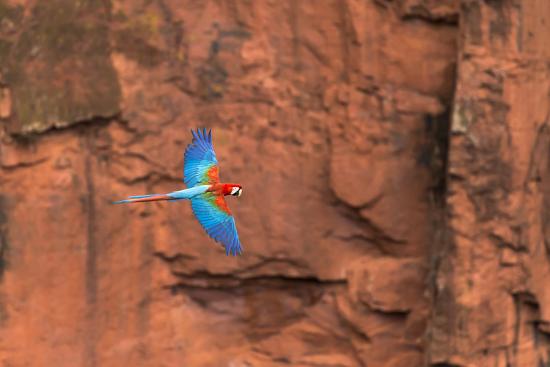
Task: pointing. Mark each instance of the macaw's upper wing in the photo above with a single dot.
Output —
(215, 217)
(200, 165)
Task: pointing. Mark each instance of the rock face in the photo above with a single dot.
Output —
(492, 298)
(395, 158)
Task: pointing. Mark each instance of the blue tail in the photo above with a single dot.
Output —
(141, 196)
(121, 202)
(134, 197)
(176, 195)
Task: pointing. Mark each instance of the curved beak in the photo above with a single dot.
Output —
(240, 192)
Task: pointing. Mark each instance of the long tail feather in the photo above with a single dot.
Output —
(176, 195)
(144, 198)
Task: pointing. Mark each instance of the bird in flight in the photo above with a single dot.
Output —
(205, 191)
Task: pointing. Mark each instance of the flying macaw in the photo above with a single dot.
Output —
(201, 175)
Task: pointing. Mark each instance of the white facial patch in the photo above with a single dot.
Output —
(234, 190)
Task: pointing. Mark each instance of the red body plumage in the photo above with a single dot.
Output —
(220, 190)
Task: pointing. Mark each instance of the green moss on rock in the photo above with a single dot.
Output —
(135, 38)
(60, 69)
(10, 18)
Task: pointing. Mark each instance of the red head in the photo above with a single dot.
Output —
(232, 189)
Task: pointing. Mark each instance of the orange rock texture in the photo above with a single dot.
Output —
(395, 159)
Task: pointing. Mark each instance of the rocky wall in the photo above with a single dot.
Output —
(394, 159)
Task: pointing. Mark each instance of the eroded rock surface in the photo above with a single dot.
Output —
(395, 163)
(491, 306)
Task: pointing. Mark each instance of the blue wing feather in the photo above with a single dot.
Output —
(199, 158)
(218, 224)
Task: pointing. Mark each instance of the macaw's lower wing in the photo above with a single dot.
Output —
(215, 217)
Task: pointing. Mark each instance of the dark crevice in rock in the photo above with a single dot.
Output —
(227, 294)
(206, 280)
(265, 304)
(425, 16)
(378, 237)
(19, 165)
(91, 252)
(439, 129)
(3, 237)
(91, 271)
(79, 126)
(3, 253)
(539, 160)
(356, 330)
(378, 249)
(389, 314)
(528, 318)
(425, 11)
(539, 174)
(290, 263)
(179, 261)
(143, 321)
(173, 258)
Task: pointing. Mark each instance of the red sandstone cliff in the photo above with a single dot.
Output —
(395, 162)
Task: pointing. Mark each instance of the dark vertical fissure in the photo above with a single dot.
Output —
(3, 252)
(3, 236)
(146, 254)
(439, 130)
(296, 41)
(145, 283)
(91, 255)
(343, 12)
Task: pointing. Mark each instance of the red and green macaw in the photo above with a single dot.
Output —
(206, 192)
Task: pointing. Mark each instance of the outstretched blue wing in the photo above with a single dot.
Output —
(213, 214)
(200, 165)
